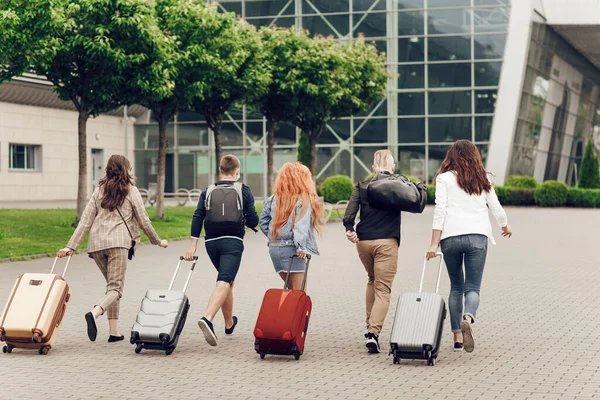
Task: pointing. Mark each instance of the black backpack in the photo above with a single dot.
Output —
(224, 206)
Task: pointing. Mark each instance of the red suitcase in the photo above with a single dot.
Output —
(283, 320)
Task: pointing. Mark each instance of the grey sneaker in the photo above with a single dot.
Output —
(372, 342)
(468, 341)
(209, 333)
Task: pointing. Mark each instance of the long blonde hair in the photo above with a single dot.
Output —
(294, 182)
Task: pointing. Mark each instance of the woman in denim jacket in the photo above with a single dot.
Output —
(289, 219)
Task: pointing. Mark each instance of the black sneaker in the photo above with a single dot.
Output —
(229, 331)
(209, 333)
(469, 342)
(372, 342)
(458, 346)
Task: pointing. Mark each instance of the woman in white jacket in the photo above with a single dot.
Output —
(461, 227)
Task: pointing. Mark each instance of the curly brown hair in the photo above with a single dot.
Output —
(464, 160)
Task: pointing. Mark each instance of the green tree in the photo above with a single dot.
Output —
(281, 47)
(104, 58)
(303, 149)
(589, 176)
(28, 33)
(332, 81)
(187, 25)
(234, 71)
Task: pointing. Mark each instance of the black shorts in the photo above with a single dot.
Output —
(226, 256)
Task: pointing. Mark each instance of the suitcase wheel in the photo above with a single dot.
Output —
(138, 349)
(262, 356)
(169, 350)
(7, 349)
(396, 360)
(44, 350)
(431, 362)
(297, 356)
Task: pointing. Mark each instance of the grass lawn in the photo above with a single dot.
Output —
(31, 232)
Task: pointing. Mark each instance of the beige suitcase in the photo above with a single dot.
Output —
(34, 311)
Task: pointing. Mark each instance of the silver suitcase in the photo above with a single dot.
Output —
(418, 324)
(162, 316)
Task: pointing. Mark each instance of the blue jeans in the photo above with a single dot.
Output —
(473, 250)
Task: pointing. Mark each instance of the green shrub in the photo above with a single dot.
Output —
(521, 181)
(551, 194)
(589, 177)
(430, 194)
(304, 149)
(336, 188)
(587, 198)
(511, 196)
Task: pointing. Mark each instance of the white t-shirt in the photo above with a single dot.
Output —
(459, 213)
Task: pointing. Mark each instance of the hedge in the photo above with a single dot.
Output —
(583, 198)
(336, 188)
(521, 181)
(551, 194)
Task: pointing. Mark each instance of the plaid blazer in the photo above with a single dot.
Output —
(106, 228)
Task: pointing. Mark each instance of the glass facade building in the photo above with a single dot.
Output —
(444, 57)
(559, 109)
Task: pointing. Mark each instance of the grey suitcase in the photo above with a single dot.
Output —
(162, 316)
(418, 324)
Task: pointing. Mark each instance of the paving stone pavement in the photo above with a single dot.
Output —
(537, 335)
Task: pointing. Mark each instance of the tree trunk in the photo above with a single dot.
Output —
(271, 127)
(82, 152)
(216, 128)
(162, 162)
(313, 138)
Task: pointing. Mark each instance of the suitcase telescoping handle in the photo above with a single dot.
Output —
(289, 271)
(66, 266)
(187, 281)
(437, 285)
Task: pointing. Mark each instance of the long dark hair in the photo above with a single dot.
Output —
(116, 183)
(464, 160)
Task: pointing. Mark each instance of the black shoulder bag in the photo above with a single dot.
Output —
(132, 248)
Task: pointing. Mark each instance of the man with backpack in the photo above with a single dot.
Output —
(224, 208)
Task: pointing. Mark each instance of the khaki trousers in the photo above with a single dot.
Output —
(380, 258)
(113, 264)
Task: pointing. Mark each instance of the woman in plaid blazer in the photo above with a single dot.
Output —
(112, 217)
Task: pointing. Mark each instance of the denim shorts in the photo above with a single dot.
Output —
(280, 255)
(226, 256)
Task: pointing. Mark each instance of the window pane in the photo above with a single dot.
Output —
(285, 134)
(373, 131)
(449, 75)
(341, 128)
(372, 25)
(146, 136)
(448, 3)
(449, 129)
(280, 22)
(264, 8)
(365, 155)
(449, 48)
(489, 46)
(410, 76)
(411, 130)
(231, 135)
(316, 25)
(254, 132)
(411, 49)
(324, 6)
(186, 171)
(363, 5)
(483, 150)
(192, 134)
(30, 157)
(487, 74)
(381, 110)
(485, 101)
(449, 21)
(436, 156)
(411, 161)
(491, 19)
(411, 23)
(401, 4)
(483, 128)
(190, 116)
(490, 2)
(450, 102)
(231, 6)
(18, 156)
(339, 166)
(411, 103)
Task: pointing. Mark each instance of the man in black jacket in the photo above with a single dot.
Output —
(224, 208)
(377, 238)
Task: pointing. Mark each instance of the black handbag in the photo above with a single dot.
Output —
(396, 193)
(131, 252)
